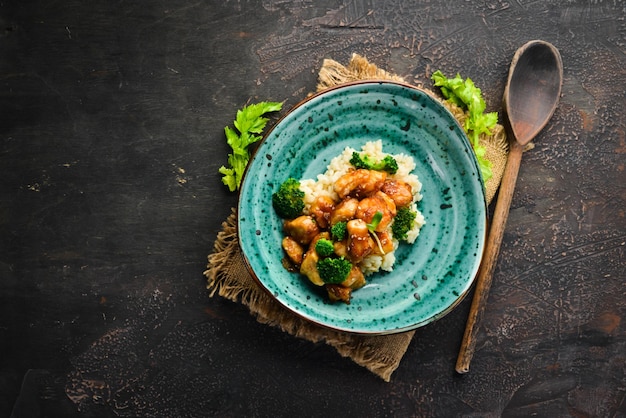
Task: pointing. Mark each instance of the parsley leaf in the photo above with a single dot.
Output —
(249, 124)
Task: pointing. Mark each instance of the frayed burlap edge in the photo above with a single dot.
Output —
(229, 277)
(333, 74)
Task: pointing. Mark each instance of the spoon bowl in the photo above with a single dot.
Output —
(530, 98)
(533, 89)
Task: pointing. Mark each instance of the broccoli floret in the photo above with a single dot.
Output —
(324, 247)
(333, 270)
(339, 231)
(402, 223)
(388, 164)
(288, 201)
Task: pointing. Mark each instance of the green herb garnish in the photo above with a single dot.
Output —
(371, 227)
(249, 124)
(378, 216)
(466, 95)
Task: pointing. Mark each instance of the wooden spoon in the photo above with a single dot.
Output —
(530, 98)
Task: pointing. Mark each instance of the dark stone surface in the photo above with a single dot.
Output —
(111, 129)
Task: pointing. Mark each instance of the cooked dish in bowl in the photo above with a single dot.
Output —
(431, 275)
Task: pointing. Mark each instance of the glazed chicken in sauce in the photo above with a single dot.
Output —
(365, 195)
(348, 232)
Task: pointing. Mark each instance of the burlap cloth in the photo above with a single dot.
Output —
(228, 276)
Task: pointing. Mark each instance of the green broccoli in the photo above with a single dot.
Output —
(288, 201)
(402, 223)
(339, 230)
(324, 247)
(334, 270)
(388, 164)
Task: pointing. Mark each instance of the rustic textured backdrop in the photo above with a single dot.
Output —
(111, 118)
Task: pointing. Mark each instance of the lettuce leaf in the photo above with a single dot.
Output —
(467, 96)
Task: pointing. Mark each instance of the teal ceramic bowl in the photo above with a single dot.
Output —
(431, 276)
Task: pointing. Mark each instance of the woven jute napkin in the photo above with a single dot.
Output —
(229, 277)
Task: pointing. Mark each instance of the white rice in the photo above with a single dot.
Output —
(340, 165)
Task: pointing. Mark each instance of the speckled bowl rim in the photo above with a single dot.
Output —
(267, 291)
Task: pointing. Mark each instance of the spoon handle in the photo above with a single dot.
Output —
(490, 256)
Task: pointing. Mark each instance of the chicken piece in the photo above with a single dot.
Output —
(337, 292)
(341, 248)
(294, 251)
(321, 210)
(399, 191)
(359, 183)
(380, 202)
(344, 211)
(355, 279)
(360, 244)
(309, 267)
(302, 229)
(386, 243)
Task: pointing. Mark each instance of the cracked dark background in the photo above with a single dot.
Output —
(112, 117)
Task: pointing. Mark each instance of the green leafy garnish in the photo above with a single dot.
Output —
(378, 216)
(249, 124)
(466, 95)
